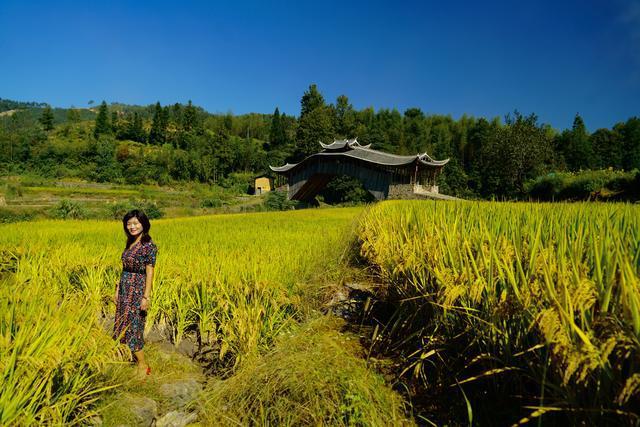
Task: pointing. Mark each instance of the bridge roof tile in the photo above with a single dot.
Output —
(351, 148)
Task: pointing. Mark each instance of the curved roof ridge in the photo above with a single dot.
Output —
(428, 160)
(397, 156)
(364, 153)
(284, 168)
(338, 144)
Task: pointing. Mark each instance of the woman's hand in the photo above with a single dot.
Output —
(144, 304)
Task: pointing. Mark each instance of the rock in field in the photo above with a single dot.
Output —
(180, 393)
(176, 419)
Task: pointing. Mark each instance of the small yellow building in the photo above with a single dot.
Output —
(262, 184)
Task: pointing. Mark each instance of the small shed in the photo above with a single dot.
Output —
(262, 184)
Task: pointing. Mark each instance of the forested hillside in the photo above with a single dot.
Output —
(159, 144)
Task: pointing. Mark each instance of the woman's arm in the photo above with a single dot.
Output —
(147, 287)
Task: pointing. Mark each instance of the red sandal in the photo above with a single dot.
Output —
(148, 370)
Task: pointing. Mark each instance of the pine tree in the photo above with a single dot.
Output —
(189, 117)
(415, 134)
(607, 149)
(631, 135)
(345, 118)
(579, 153)
(314, 127)
(176, 114)
(47, 119)
(115, 122)
(136, 130)
(316, 124)
(102, 121)
(277, 135)
(311, 100)
(158, 133)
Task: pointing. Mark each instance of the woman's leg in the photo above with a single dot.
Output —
(142, 364)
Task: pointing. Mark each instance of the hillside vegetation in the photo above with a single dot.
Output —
(165, 145)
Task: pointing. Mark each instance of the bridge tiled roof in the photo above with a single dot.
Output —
(352, 148)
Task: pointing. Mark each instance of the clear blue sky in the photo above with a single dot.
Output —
(554, 58)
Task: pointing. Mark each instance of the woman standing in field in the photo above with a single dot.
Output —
(134, 289)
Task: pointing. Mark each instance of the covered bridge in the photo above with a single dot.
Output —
(386, 176)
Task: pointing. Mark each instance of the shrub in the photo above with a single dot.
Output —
(585, 185)
(278, 201)
(545, 187)
(152, 209)
(14, 189)
(346, 190)
(211, 202)
(69, 209)
(11, 215)
(238, 182)
(119, 209)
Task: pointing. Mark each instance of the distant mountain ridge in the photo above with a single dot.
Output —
(8, 104)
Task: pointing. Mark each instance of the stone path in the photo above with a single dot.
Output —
(166, 398)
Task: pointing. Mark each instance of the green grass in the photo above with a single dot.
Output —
(66, 192)
(167, 367)
(315, 375)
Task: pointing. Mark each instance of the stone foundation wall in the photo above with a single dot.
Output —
(409, 191)
(401, 191)
(425, 189)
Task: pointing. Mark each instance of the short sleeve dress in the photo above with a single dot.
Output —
(130, 320)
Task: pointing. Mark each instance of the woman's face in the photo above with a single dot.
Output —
(134, 226)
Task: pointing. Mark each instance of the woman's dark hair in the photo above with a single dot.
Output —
(146, 226)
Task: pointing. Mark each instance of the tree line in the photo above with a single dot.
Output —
(120, 143)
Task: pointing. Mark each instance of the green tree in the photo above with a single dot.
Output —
(228, 122)
(607, 149)
(277, 136)
(578, 153)
(136, 130)
(387, 133)
(47, 119)
(517, 152)
(479, 135)
(107, 169)
(311, 100)
(315, 125)
(176, 114)
(631, 137)
(158, 133)
(73, 115)
(345, 118)
(102, 127)
(415, 133)
(189, 117)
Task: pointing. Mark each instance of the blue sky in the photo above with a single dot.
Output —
(553, 58)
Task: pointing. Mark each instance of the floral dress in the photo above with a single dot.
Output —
(129, 320)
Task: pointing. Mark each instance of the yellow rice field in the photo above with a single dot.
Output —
(548, 294)
(237, 279)
(533, 305)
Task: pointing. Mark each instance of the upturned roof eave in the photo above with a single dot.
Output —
(409, 160)
(287, 167)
